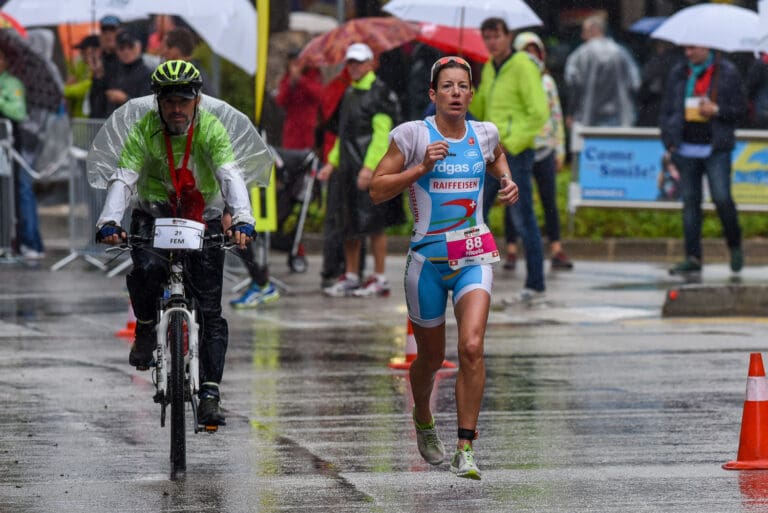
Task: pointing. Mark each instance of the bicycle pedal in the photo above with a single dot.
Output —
(211, 429)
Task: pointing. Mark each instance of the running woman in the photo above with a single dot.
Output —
(442, 161)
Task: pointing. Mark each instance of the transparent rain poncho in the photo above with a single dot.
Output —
(253, 158)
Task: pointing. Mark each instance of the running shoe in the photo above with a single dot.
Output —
(342, 288)
(526, 297)
(255, 296)
(30, 253)
(373, 287)
(430, 446)
(463, 463)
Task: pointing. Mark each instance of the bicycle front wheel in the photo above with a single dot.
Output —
(176, 387)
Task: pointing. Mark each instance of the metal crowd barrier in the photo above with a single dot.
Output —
(7, 192)
(85, 202)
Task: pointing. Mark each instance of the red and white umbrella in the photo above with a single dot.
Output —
(467, 42)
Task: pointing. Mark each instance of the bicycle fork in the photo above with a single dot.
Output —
(192, 355)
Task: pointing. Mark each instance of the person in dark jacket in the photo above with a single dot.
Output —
(132, 81)
(703, 102)
(102, 68)
(757, 90)
(368, 111)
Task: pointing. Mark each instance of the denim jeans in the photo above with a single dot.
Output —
(523, 215)
(545, 174)
(27, 221)
(717, 169)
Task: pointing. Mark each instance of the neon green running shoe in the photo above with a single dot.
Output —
(463, 463)
(430, 446)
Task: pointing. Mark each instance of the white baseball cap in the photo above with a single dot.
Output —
(358, 52)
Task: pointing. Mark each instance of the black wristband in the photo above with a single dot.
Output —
(467, 434)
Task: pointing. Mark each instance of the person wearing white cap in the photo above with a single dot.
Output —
(365, 116)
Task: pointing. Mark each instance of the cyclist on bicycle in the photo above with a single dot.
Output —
(178, 153)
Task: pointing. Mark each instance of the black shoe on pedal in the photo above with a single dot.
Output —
(141, 351)
(209, 413)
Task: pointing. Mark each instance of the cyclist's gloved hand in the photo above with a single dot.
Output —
(244, 228)
(241, 234)
(109, 230)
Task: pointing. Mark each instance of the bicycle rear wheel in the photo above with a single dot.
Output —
(176, 388)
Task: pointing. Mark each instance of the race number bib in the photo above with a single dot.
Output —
(176, 233)
(471, 246)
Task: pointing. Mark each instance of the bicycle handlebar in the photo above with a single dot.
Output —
(219, 240)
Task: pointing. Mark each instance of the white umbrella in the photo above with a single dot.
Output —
(35, 13)
(719, 26)
(311, 22)
(228, 26)
(231, 34)
(463, 13)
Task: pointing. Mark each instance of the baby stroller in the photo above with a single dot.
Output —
(295, 173)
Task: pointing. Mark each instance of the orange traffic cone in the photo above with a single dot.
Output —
(753, 446)
(410, 352)
(130, 327)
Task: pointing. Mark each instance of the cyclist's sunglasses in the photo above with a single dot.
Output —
(443, 62)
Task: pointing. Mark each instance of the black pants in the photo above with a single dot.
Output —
(203, 275)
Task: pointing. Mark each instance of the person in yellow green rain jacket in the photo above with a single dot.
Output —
(511, 97)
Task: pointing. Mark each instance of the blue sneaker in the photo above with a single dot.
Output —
(255, 296)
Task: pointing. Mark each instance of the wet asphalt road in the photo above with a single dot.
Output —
(593, 403)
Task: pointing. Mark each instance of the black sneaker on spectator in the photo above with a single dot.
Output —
(511, 263)
(560, 261)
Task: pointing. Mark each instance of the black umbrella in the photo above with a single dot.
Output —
(41, 79)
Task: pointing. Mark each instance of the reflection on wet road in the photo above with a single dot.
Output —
(592, 403)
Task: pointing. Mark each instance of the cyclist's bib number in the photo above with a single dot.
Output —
(471, 246)
(176, 233)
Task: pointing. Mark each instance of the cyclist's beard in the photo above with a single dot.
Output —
(177, 125)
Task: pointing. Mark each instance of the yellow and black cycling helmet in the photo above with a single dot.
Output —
(176, 78)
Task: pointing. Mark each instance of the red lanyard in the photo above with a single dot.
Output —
(171, 163)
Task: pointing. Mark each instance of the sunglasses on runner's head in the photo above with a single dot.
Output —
(443, 63)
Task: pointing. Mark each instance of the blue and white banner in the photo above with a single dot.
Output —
(632, 169)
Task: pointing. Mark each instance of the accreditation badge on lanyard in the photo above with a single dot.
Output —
(471, 246)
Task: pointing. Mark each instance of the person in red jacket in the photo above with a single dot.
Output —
(299, 94)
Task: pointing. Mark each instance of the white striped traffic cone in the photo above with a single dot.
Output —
(753, 445)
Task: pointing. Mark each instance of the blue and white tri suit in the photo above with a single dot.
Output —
(447, 198)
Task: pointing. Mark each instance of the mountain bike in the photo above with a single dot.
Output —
(176, 372)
